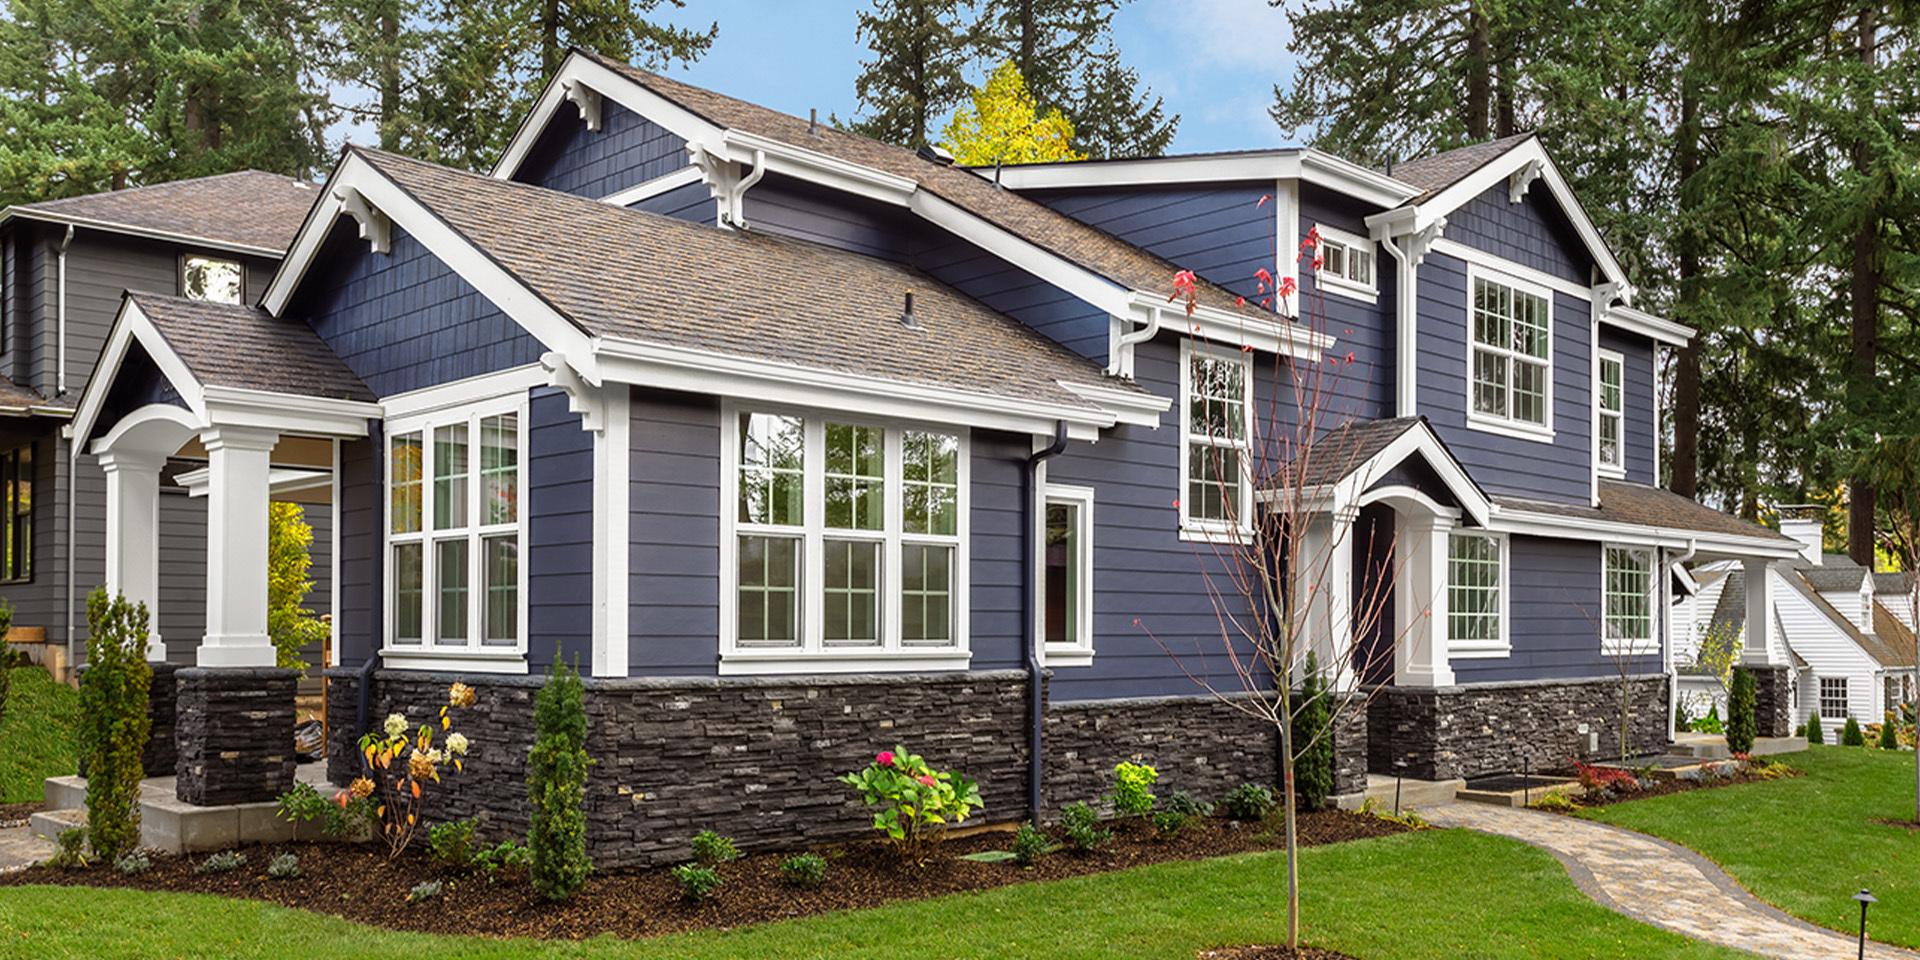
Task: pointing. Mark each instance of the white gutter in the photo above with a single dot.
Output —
(108, 226)
(736, 211)
(60, 309)
(1121, 363)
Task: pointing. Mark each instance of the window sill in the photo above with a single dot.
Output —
(1341, 286)
(1613, 473)
(762, 662)
(1211, 534)
(1479, 651)
(1509, 428)
(464, 661)
(1066, 655)
(1637, 648)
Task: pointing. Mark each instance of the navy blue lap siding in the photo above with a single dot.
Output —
(1639, 433)
(559, 533)
(691, 201)
(404, 320)
(795, 208)
(1360, 385)
(1056, 314)
(1220, 231)
(674, 562)
(357, 622)
(628, 149)
(1555, 610)
(995, 626)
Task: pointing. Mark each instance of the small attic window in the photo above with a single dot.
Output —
(213, 279)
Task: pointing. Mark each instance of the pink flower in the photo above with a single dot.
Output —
(1184, 280)
(884, 758)
(1264, 277)
(1288, 285)
(1239, 301)
(927, 780)
(1263, 200)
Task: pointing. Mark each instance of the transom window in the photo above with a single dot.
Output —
(1346, 263)
(16, 513)
(1215, 422)
(1833, 698)
(1476, 601)
(1628, 600)
(1511, 363)
(846, 540)
(212, 278)
(455, 532)
(1611, 401)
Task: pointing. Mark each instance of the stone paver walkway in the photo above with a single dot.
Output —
(1661, 883)
(20, 849)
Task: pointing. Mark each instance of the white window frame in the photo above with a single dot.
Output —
(813, 655)
(1634, 646)
(1506, 425)
(1846, 696)
(1367, 292)
(1502, 646)
(427, 654)
(1081, 651)
(1616, 470)
(1196, 528)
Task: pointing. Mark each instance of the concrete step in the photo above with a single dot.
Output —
(171, 826)
(50, 824)
(1413, 794)
(1518, 796)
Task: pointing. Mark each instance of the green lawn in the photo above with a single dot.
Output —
(1435, 894)
(36, 736)
(1807, 844)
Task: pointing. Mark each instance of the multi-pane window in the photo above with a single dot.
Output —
(1215, 424)
(1511, 361)
(1346, 262)
(846, 536)
(1474, 602)
(16, 513)
(212, 278)
(1611, 401)
(454, 531)
(1833, 698)
(1628, 599)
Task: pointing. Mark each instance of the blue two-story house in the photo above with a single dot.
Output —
(802, 445)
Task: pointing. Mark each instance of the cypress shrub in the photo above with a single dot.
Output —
(1816, 731)
(1850, 735)
(1313, 765)
(114, 724)
(1742, 724)
(557, 784)
(1889, 733)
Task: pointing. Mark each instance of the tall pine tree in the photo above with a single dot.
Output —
(1065, 50)
(916, 75)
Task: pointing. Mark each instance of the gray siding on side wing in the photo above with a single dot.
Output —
(559, 533)
(404, 320)
(674, 561)
(1532, 232)
(1557, 471)
(1639, 432)
(628, 149)
(1555, 612)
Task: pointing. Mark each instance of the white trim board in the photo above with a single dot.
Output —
(1301, 163)
(148, 233)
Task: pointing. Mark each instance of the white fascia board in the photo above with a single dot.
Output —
(280, 480)
(288, 413)
(1235, 328)
(1420, 439)
(501, 288)
(109, 226)
(1511, 520)
(1646, 324)
(767, 381)
(133, 326)
(1345, 176)
(1313, 166)
(655, 187)
(465, 392)
(795, 161)
(625, 91)
(1127, 406)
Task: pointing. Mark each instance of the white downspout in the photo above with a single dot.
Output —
(1406, 359)
(60, 310)
(1121, 364)
(73, 449)
(1666, 633)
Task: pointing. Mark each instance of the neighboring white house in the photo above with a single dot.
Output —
(1848, 631)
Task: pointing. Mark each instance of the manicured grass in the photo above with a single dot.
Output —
(1807, 844)
(36, 736)
(1435, 894)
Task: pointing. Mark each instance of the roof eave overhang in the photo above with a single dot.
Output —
(145, 233)
(1708, 545)
(1299, 163)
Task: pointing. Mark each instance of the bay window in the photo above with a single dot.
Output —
(1611, 401)
(1627, 599)
(1510, 362)
(844, 543)
(455, 531)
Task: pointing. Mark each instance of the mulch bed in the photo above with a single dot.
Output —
(358, 883)
(1662, 787)
(15, 814)
(1271, 953)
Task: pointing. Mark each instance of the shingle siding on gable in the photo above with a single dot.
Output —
(1636, 354)
(403, 321)
(559, 532)
(1532, 232)
(1555, 617)
(627, 150)
(1559, 471)
(674, 524)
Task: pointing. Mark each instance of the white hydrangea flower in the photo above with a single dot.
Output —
(396, 724)
(457, 744)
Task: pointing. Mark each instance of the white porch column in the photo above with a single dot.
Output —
(1325, 580)
(1420, 600)
(133, 535)
(1759, 649)
(237, 483)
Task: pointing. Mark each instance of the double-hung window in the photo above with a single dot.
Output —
(456, 532)
(1627, 601)
(1476, 594)
(1216, 426)
(1610, 400)
(1833, 699)
(16, 513)
(1346, 264)
(844, 544)
(1510, 361)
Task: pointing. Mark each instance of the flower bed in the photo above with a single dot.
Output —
(1607, 785)
(360, 883)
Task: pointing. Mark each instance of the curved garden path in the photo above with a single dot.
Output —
(1660, 883)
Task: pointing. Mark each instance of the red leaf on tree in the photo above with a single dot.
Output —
(1263, 200)
(1288, 285)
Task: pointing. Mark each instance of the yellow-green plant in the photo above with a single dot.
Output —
(1133, 788)
(291, 626)
(1003, 124)
(402, 765)
(114, 724)
(557, 785)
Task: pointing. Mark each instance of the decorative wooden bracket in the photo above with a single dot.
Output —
(1420, 241)
(582, 398)
(587, 99)
(1523, 178)
(375, 228)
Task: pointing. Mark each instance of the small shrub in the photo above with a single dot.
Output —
(1889, 734)
(114, 724)
(131, 864)
(1248, 802)
(9, 657)
(804, 869)
(1030, 843)
(1407, 817)
(915, 802)
(1768, 769)
(1602, 781)
(352, 814)
(403, 767)
(1742, 723)
(1312, 727)
(1711, 722)
(425, 890)
(1186, 804)
(557, 784)
(1168, 823)
(452, 842)
(1081, 825)
(1680, 719)
(284, 867)
(1816, 730)
(711, 848)
(226, 861)
(70, 851)
(1555, 802)
(502, 861)
(1850, 735)
(1133, 788)
(697, 881)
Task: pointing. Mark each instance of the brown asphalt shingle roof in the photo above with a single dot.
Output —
(1442, 170)
(1637, 503)
(629, 274)
(1087, 246)
(230, 345)
(1894, 642)
(244, 209)
(16, 400)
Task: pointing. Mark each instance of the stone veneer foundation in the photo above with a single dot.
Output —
(1772, 701)
(162, 756)
(234, 734)
(757, 759)
(1440, 733)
